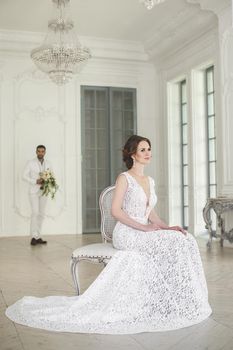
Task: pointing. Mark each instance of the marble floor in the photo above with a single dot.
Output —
(45, 270)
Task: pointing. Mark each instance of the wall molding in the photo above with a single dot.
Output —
(39, 114)
(14, 42)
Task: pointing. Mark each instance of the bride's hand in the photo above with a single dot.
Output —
(151, 227)
(178, 228)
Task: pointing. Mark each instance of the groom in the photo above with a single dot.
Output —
(31, 174)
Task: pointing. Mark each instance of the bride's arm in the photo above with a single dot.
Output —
(119, 214)
(155, 219)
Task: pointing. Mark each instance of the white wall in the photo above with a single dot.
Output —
(35, 111)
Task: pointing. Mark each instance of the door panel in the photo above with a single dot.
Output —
(108, 119)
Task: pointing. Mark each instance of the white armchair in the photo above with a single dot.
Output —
(97, 252)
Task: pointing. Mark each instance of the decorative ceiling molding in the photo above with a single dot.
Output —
(167, 28)
(172, 37)
(197, 50)
(23, 42)
(216, 6)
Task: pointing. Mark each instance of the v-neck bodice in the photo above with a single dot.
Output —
(136, 203)
(140, 186)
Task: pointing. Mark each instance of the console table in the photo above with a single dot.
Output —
(220, 205)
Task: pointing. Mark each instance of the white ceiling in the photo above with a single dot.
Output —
(174, 20)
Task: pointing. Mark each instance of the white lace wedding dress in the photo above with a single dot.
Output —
(154, 283)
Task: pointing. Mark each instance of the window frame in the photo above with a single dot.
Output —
(210, 94)
(184, 165)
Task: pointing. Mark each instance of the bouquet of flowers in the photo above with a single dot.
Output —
(49, 185)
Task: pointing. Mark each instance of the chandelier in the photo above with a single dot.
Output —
(61, 55)
(149, 4)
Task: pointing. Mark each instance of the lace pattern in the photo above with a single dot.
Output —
(154, 283)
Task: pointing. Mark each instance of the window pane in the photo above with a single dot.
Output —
(101, 119)
(98, 220)
(101, 138)
(89, 99)
(118, 140)
(102, 178)
(186, 217)
(90, 199)
(101, 99)
(117, 120)
(128, 100)
(90, 159)
(89, 118)
(91, 179)
(185, 175)
(90, 219)
(211, 127)
(118, 159)
(210, 104)
(128, 133)
(183, 93)
(213, 191)
(129, 120)
(185, 134)
(185, 154)
(117, 100)
(101, 159)
(186, 196)
(184, 113)
(212, 155)
(210, 81)
(212, 173)
(90, 138)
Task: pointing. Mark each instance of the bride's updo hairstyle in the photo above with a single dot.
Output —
(130, 148)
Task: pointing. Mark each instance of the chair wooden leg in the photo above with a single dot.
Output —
(74, 273)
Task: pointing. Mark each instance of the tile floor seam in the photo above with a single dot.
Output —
(138, 342)
(52, 270)
(224, 325)
(14, 325)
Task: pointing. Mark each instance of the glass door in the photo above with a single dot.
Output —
(108, 119)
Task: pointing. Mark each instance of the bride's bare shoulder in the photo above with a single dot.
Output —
(122, 179)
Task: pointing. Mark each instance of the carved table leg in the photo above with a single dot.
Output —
(222, 226)
(207, 219)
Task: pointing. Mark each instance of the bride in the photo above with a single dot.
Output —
(154, 283)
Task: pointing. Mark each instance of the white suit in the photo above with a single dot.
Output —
(37, 201)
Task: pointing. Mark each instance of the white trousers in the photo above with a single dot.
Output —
(38, 204)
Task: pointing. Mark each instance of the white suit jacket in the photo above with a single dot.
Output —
(31, 173)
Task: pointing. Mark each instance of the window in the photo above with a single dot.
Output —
(192, 161)
(211, 136)
(184, 152)
(108, 119)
